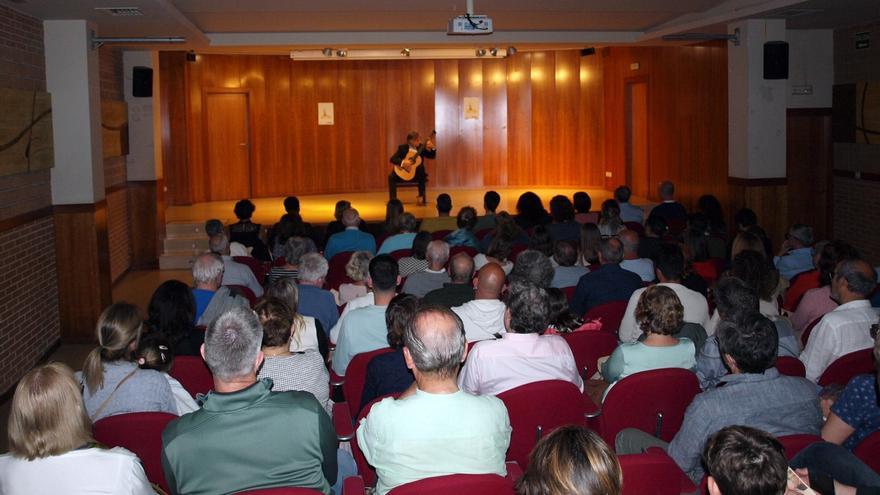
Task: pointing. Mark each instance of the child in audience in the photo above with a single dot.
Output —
(562, 320)
(154, 353)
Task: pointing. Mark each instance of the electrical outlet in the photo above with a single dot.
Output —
(608, 174)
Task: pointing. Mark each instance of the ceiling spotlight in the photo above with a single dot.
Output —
(480, 52)
(493, 51)
(511, 51)
(405, 52)
(328, 52)
(341, 53)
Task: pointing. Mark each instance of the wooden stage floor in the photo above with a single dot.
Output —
(318, 208)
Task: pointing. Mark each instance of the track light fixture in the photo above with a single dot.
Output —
(481, 52)
(511, 51)
(328, 52)
(405, 52)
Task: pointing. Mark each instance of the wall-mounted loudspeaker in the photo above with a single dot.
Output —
(141, 82)
(776, 60)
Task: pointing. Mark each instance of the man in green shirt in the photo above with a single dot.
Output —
(434, 429)
(245, 436)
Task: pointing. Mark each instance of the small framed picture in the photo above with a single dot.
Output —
(325, 113)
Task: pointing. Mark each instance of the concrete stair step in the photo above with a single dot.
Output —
(176, 261)
(176, 230)
(185, 244)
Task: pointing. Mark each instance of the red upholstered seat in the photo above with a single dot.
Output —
(653, 472)
(611, 314)
(400, 253)
(255, 265)
(439, 235)
(356, 376)
(483, 233)
(652, 401)
(844, 368)
(244, 291)
(588, 347)
(536, 409)
(796, 443)
(459, 484)
(515, 250)
(366, 472)
(707, 270)
(805, 336)
(282, 490)
(193, 374)
(140, 433)
(791, 366)
(868, 450)
(569, 292)
(336, 275)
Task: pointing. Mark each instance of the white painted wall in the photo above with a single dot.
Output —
(72, 78)
(141, 162)
(756, 107)
(810, 62)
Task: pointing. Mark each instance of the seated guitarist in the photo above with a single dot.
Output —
(405, 156)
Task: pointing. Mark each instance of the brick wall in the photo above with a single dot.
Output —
(856, 200)
(29, 323)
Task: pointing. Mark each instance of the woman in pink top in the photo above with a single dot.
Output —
(817, 302)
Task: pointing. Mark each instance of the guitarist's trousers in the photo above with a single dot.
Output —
(420, 179)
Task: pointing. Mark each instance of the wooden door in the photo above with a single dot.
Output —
(636, 151)
(227, 145)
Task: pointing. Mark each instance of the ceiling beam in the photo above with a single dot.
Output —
(722, 14)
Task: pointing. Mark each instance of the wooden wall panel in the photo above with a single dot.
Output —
(494, 149)
(590, 152)
(519, 122)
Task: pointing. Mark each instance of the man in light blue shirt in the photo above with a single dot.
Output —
(404, 239)
(364, 329)
(643, 267)
(628, 212)
(433, 428)
(795, 255)
(350, 239)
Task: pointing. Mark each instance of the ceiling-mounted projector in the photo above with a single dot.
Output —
(470, 24)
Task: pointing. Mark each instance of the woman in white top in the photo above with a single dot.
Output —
(302, 370)
(610, 223)
(51, 449)
(307, 331)
(357, 269)
(154, 353)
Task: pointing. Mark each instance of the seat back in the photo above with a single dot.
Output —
(805, 336)
(588, 347)
(460, 484)
(635, 227)
(868, 450)
(245, 292)
(796, 443)
(844, 368)
(790, 366)
(661, 396)
(515, 250)
(611, 314)
(356, 377)
(462, 249)
(400, 253)
(193, 374)
(483, 233)
(536, 409)
(367, 472)
(651, 472)
(439, 235)
(281, 490)
(569, 292)
(707, 270)
(140, 433)
(336, 275)
(256, 266)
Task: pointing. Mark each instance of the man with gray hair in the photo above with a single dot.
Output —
(795, 254)
(522, 355)
(460, 288)
(351, 239)
(533, 267)
(436, 427)
(212, 449)
(234, 273)
(670, 209)
(609, 283)
(643, 267)
(314, 300)
(433, 277)
(212, 299)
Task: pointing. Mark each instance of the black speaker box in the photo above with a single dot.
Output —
(776, 60)
(141, 82)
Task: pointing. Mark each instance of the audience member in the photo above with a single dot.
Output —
(51, 449)
(590, 241)
(388, 373)
(463, 235)
(294, 249)
(668, 268)
(154, 353)
(214, 227)
(211, 298)
(671, 210)
(522, 355)
(564, 227)
(505, 226)
(582, 206)
(350, 239)
(467, 434)
(610, 223)
(491, 200)
(795, 255)
(202, 451)
(172, 311)
(112, 382)
(460, 288)
(303, 370)
(656, 229)
(750, 267)
(530, 211)
(364, 329)
(817, 302)
(541, 241)
(628, 211)
(336, 226)
(433, 277)
(290, 224)
(847, 328)
(747, 241)
(357, 269)
(416, 261)
(393, 213)
(483, 317)
(403, 238)
(804, 281)
(689, 276)
(643, 267)
(562, 320)
(709, 206)
(533, 267)
(659, 315)
(307, 332)
(566, 273)
(248, 233)
(754, 390)
(696, 237)
(608, 283)
(734, 299)
(234, 273)
(498, 252)
(314, 300)
(745, 461)
(571, 460)
(442, 221)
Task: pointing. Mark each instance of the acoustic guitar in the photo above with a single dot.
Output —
(413, 159)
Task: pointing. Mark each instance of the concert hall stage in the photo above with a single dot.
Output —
(318, 208)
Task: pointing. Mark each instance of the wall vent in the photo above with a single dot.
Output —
(120, 11)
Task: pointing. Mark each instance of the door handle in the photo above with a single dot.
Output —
(242, 144)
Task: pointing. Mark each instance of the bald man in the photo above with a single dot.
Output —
(483, 318)
(643, 267)
(350, 239)
(847, 328)
(459, 289)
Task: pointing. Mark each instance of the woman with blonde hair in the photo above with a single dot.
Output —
(588, 250)
(610, 223)
(571, 461)
(112, 381)
(51, 449)
(306, 331)
(357, 269)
